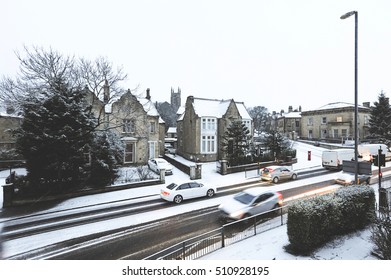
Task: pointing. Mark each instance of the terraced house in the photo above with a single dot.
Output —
(202, 125)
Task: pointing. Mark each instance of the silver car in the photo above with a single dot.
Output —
(250, 202)
(276, 173)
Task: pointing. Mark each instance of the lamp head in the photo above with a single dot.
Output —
(348, 14)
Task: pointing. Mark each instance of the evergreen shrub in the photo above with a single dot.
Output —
(315, 221)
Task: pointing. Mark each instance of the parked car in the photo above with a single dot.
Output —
(156, 164)
(250, 202)
(179, 192)
(276, 173)
(347, 178)
(170, 151)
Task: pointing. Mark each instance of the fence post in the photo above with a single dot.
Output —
(255, 225)
(282, 220)
(184, 250)
(222, 237)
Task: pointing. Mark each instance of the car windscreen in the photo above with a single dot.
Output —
(244, 198)
(171, 186)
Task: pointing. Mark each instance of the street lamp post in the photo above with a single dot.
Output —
(355, 13)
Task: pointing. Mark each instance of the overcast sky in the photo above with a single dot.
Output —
(272, 53)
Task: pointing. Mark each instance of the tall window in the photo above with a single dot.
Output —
(208, 144)
(129, 152)
(310, 121)
(152, 127)
(127, 126)
(208, 138)
(324, 120)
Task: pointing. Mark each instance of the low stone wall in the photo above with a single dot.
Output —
(224, 170)
(9, 198)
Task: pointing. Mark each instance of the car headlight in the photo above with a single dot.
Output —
(237, 214)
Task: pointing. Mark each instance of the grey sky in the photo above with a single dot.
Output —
(262, 52)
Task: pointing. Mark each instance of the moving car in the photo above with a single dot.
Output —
(277, 173)
(250, 202)
(156, 164)
(179, 192)
(347, 178)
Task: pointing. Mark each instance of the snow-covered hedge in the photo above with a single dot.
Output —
(314, 221)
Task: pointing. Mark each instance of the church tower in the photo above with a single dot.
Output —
(176, 99)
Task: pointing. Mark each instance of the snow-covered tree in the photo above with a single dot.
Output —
(106, 154)
(276, 144)
(54, 134)
(61, 123)
(380, 119)
(235, 142)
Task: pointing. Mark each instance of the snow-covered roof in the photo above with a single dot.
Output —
(217, 108)
(243, 111)
(180, 110)
(292, 115)
(149, 107)
(171, 129)
(210, 107)
(337, 105)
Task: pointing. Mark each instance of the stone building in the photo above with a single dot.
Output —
(202, 125)
(289, 124)
(139, 124)
(334, 122)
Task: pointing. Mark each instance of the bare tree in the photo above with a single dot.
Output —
(40, 69)
(95, 74)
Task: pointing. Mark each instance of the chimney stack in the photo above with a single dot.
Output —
(148, 94)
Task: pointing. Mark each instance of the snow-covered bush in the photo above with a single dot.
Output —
(314, 221)
(381, 236)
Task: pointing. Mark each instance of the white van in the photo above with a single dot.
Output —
(367, 151)
(332, 159)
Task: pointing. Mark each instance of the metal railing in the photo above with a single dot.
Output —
(228, 234)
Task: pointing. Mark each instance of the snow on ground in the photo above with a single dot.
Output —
(267, 245)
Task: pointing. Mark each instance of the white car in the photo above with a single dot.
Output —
(250, 202)
(156, 164)
(177, 193)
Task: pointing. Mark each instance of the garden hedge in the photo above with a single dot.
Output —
(314, 221)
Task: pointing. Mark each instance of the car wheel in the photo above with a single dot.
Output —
(294, 176)
(210, 193)
(178, 199)
(275, 180)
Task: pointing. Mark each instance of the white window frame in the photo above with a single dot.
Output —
(208, 144)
